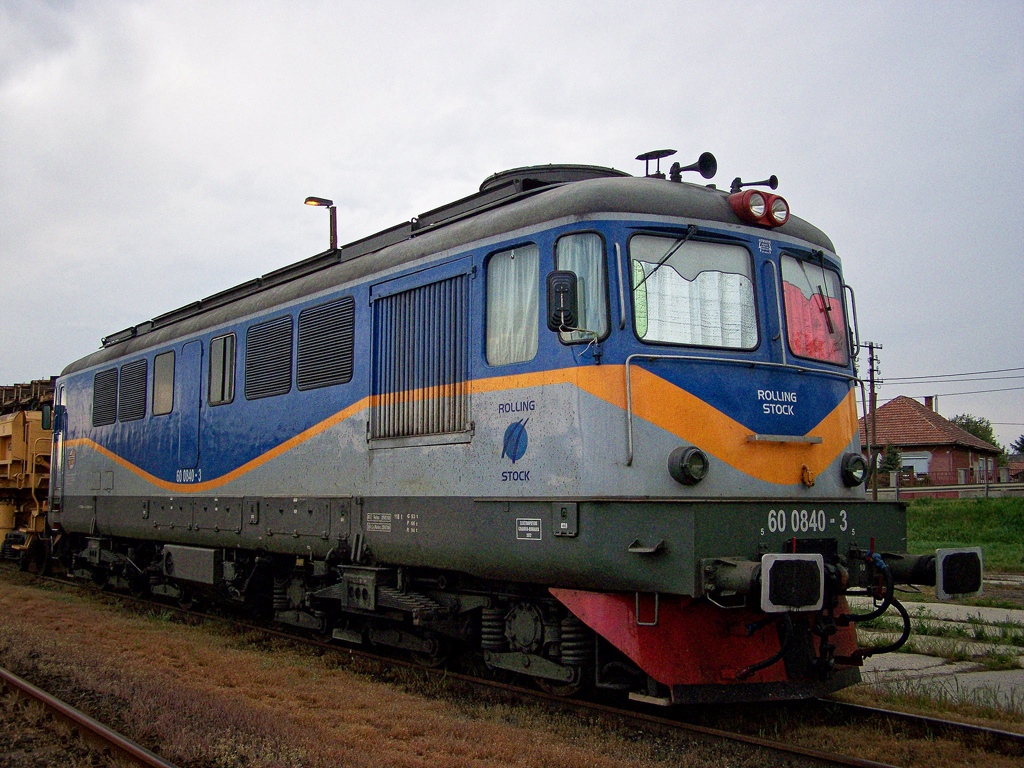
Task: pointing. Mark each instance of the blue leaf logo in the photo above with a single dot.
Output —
(516, 440)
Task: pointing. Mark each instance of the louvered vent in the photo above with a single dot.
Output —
(268, 358)
(421, 361)
(104, 397)
(131, 397)
(326, 344)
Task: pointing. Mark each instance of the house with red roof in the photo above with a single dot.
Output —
(932, 449)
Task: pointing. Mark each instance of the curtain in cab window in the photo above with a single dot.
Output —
(513, 295)
(814, 311)
(702, 295)
(584, 255)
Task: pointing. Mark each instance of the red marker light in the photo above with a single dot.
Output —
(760, 208)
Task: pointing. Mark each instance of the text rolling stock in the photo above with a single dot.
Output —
(599, 429)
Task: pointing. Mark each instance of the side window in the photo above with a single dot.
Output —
(131, 397)
(584, 255)
(326, 344)
(104, 397)
(268, 358)
(815, 326)
(221, 386)
(513, 295)
(163, 383)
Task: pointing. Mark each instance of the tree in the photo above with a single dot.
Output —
(1018, 445)
(978, 426)
(891, 460)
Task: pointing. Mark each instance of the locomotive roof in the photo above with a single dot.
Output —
(507, 201)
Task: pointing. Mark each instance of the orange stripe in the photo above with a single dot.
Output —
(689, 418)
(696, 422)
(234, 474)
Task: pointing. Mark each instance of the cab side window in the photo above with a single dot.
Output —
(584, 255)
(513, 296)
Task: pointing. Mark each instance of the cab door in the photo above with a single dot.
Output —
(189, 394)
(60, 422)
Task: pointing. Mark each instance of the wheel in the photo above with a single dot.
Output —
(570, 688)
(436, 656)
(187, 599)
(138, 585)
(35, 558)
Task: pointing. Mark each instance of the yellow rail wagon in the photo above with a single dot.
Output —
(25, 439)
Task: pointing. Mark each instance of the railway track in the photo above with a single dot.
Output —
(107, 741)
(991, 740)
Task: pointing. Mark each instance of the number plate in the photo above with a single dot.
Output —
(800, 520)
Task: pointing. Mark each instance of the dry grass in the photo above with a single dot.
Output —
(206, 698)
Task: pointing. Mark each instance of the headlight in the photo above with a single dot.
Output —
(780, 211)
(855, 469)
(688, 465)
(756, 205)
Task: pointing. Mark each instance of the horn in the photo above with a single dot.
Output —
(706, 165)
(737, 184)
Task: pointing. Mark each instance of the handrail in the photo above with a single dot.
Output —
(622, 295)
(856, 323)
(699, 358)
(776, 281)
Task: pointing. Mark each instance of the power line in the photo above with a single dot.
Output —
(975, 392)
(952, 375)
(926, 380)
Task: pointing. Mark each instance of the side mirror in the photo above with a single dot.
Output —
(563, 301)
(47, 417)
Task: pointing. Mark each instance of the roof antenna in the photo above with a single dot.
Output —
(654, 154)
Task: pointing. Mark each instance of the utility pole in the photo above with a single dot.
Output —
(872, 406)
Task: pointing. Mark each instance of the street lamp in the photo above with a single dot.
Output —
(329, 204)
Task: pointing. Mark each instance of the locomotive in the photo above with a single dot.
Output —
(598, 429)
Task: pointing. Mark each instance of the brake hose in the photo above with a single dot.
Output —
(887, 599)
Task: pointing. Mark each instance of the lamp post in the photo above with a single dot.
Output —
(329, 204)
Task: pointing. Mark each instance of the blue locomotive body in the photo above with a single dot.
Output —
(400, 442)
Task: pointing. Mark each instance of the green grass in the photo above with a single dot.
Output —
(997, 525)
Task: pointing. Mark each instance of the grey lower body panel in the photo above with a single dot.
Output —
(607, 545)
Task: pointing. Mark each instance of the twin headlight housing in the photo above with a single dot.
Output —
(761, 208)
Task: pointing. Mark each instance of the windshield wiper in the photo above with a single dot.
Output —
(826, 310)
(690, 232)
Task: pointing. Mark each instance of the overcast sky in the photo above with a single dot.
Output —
(153, 153)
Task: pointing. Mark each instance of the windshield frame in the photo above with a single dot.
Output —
(817, 261)
(672, 238)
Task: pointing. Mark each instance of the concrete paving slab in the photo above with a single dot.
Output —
(963, 682)
(951, 612)
(1003, 689)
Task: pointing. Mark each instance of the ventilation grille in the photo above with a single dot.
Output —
(131, 398)
(104, 397)
(268, 358)
(326, 344)
(420, 361)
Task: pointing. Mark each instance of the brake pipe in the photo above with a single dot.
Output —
(888, 597)
(746, 672)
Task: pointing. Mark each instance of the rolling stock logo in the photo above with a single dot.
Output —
(516, 441)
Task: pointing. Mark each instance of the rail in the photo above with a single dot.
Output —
(107, 740)
(987, 739)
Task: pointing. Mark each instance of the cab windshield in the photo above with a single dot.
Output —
(692, 292)
(815, 325)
